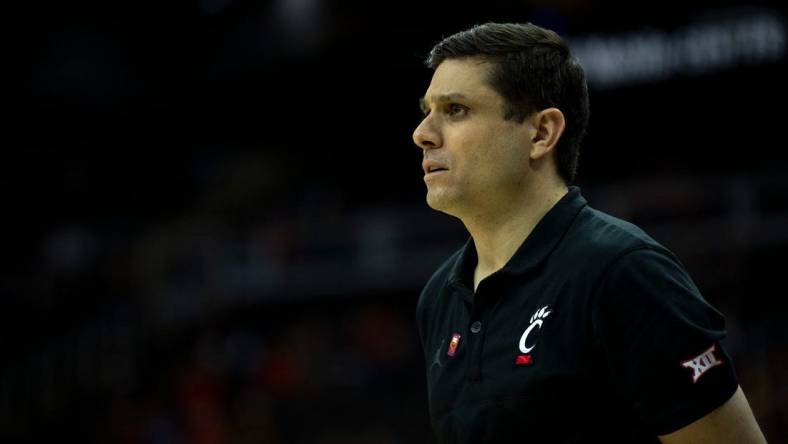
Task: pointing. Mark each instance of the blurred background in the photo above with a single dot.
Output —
(214, 228)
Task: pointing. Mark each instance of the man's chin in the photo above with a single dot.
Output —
(441, 203)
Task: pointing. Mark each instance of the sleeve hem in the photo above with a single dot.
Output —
(686, 415)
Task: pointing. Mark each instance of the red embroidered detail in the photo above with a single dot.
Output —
(524, 360)
(455, 342)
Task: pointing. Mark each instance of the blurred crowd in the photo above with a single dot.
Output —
(202, 328)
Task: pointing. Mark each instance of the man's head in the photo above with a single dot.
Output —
(525, 108)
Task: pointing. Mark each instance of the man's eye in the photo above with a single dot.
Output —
(457, 110)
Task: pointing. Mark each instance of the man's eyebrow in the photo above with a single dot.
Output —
(441, 98)
(423, 105)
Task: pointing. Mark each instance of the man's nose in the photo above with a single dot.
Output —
(425, 136)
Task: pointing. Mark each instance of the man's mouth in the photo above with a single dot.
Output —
(431, 166)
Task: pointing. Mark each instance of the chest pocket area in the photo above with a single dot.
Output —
(446, 370)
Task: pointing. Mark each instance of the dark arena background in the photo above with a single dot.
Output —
(214, 227)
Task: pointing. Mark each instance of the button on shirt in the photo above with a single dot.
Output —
(592, 331)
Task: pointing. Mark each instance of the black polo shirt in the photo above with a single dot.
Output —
(592, 332)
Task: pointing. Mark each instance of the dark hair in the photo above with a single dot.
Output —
(533, 69)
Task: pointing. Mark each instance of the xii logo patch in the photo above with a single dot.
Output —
(702, 363)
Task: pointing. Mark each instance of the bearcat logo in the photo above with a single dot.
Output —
(536, 321)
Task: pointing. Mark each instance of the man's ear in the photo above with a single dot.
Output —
(548, 126)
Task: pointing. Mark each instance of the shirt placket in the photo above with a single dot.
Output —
(477, 328)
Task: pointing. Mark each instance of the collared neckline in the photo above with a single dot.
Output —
(545, 236)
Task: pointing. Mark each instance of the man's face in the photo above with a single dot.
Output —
(473, 158)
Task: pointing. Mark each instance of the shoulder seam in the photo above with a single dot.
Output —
(606, 271)
(625, 252)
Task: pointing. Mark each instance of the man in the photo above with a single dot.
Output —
(555, 322)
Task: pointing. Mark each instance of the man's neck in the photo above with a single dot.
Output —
(498, 232)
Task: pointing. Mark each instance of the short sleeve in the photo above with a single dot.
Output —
(660, 341)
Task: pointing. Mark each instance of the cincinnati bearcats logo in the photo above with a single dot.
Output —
(536, 322)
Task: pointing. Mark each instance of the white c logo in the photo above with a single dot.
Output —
(523, 348)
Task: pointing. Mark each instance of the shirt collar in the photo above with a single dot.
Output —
(537, 246)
